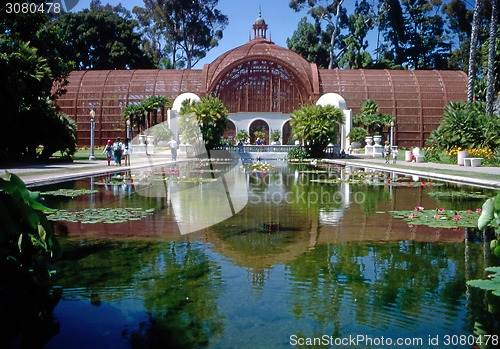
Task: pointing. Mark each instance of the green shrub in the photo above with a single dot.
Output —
(298, 153)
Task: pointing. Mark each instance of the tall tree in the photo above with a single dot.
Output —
(472, 50)
(26, 93)
(102, 37)
(355, 44)
(491, 57)
(324, 10)
(307, 41)
(189, 29)
(415, 30)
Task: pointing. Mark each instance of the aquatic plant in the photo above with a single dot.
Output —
(490, 216)
(101, 215)
(259, 166)
(27, 246)
(439, 218)
(68, 192)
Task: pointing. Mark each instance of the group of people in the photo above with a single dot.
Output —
(117, 151)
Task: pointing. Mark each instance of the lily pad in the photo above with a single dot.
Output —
(101, 215)
(457, 195)
(68, 192)
(439, 218)
(492, 284)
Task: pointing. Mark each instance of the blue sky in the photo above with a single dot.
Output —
(281, 19)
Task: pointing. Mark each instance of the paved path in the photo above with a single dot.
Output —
(42, 174)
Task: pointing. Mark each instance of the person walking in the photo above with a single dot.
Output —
(387, 152)
(118, 151)
(126, 152)
(173, 148)
(108, 150)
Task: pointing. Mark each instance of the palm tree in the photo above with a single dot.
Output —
(136, 114)
(491, 57)
(151, 105)
(317, 126)
(476, 21)
(210, 116)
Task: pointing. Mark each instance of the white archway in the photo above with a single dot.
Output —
(338, 101)
(173, 114)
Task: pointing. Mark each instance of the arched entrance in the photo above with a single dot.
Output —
(230, 131)
(287, 133)
(260, 126)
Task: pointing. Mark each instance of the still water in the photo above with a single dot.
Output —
(297, 262)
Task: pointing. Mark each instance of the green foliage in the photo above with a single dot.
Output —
(152, 105)
(307, 41)
(26, 90)
(102, 37)
(101, 215)
(491, 284)
(208, 117)
(317, 126)
(189, 29)
(275, 135)
(371, 117)
(136, 114)
(467, 126)
(27, 241)
(241, 135)
(161, 132)
(297, 153)
(357, 134)
(490, 216)
(439, 218)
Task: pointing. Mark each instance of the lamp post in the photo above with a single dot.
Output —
(392, 134)
(92, 126)
(128, 128)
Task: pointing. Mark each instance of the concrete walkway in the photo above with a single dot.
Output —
(42, 174)
(480, 176)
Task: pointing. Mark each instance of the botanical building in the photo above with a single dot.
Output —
(261, 83)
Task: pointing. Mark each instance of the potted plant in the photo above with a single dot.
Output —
(275, 137)
(242, 136)
(356, 136)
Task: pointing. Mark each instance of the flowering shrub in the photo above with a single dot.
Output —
(475, 152)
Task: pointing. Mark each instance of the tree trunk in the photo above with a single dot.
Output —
(333, 59)
(476, 21)
(491, 58)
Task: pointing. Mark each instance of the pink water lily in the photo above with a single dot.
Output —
(478, 210)
(469, 211)
(419, 208)
(440, 210)
(411, 216)
(457, 217)
(436, 216)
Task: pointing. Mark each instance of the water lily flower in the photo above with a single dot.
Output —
(440, 210)
(436, 216)
(457, 217)
(478, 210)
(431, 186)
(419, 208)
(411, 216)
(469, 211)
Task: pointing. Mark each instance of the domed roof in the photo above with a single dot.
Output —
(260, 50)
(259, 19)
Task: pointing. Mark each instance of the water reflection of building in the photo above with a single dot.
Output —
(261, 84)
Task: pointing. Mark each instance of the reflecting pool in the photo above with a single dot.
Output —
(308, 257)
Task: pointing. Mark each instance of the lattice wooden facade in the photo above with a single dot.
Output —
(260, 76)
